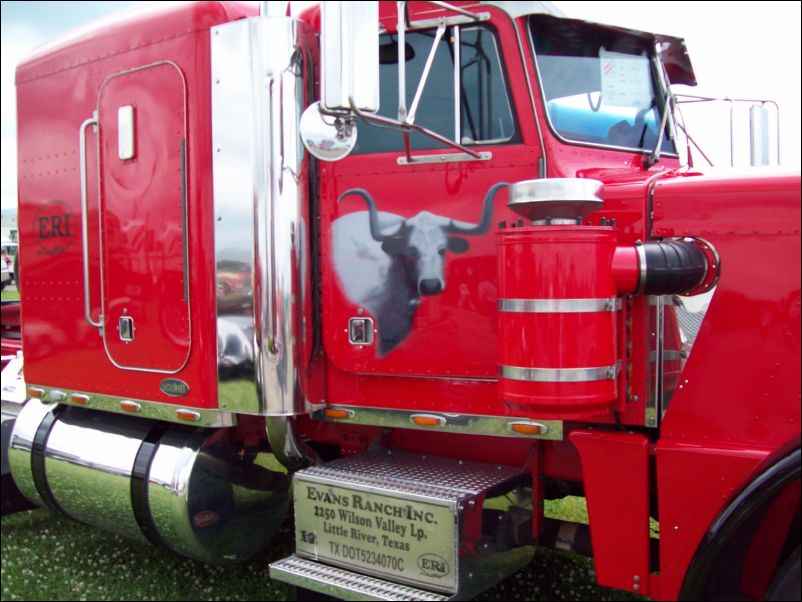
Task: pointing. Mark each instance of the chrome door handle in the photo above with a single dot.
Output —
(84, 229)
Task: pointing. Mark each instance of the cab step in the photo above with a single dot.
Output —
(389, 523)
(343, 584)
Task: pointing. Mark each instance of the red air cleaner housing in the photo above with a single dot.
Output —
(559, 289)
(557, 319)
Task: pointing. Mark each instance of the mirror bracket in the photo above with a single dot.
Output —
(408, 128)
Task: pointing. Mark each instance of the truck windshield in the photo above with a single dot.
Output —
(598, 83)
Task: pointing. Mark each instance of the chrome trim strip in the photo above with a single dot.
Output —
(185, 216)
(522, 9)
(559, 306)
(543, 172)
(455, 44)
(641, 252)
(401, 29)
(456, 9)
(84, 222)
(556, 221)
(559, 375)
(655, 401)
(473, 424)
(443, 158)
(100, 219)
(449, 21)
(149, 409)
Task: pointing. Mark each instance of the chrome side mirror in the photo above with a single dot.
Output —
(349, 56)
(327, 136)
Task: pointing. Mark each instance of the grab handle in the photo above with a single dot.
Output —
(84, 228)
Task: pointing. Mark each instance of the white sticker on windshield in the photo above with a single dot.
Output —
(625, 80)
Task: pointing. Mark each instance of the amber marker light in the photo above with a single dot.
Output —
(129, 406)
(427, 420)
(36, 392)
(337, 414)
(527, 428)
(80, 398)
(187, 415)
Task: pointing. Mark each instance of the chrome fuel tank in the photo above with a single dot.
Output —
(193, 491)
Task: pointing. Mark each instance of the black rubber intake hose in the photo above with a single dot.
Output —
(674, 266)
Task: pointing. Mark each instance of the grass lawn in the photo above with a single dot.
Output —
(45, 557)
(9, 295)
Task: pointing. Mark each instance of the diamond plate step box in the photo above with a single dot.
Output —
(408, 518)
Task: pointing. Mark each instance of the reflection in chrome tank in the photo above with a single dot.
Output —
(197, 492)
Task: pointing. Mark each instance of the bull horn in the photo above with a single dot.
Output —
(375, 229)
(456, 227)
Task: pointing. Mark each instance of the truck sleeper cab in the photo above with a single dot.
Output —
(505, 288)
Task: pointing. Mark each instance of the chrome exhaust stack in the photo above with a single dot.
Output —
(260, 232)
(261, 223)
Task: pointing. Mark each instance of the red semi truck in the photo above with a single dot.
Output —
(254, 275)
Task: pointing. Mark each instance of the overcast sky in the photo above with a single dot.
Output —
(738, 49)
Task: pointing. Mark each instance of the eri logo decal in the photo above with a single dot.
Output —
(54, 227)
(433, 565)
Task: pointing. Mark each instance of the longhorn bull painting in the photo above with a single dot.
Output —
(386, 262)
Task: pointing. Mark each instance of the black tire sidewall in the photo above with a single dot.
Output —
(786, 584)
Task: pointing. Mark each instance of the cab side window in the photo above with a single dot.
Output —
(486, 114)
(485, 110)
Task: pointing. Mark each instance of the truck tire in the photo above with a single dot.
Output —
(786, 584)
(12, 500)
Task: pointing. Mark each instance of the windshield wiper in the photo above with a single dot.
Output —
(654, 156)
(667, 99)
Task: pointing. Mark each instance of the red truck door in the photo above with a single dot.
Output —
(426, 273)
(143, 224)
